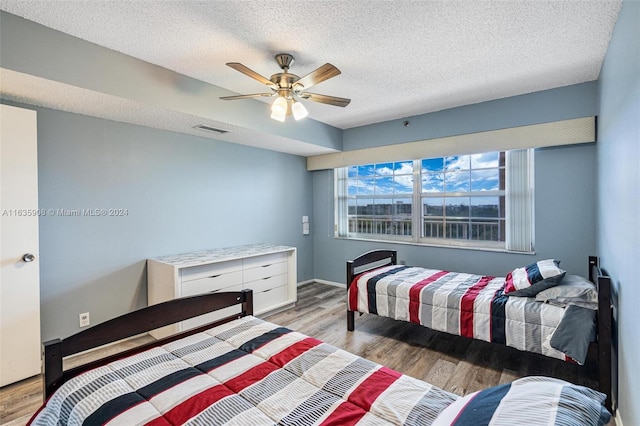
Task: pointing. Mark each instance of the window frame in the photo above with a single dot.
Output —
(417, 217)
(385, 196)
(446, 195)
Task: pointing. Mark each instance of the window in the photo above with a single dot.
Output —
(381, 199)
(463, 197)
(460, 200)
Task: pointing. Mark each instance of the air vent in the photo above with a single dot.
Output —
(210, 129)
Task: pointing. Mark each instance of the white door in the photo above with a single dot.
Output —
(19, 262)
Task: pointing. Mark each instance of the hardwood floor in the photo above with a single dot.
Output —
(456, 364)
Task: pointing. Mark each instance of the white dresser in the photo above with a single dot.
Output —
(270, 271)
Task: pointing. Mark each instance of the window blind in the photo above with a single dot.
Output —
(519, 202)
(342, 202)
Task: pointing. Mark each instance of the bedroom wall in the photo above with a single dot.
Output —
(565, 196)
(182, 193)
(619, 195)
(575, 101)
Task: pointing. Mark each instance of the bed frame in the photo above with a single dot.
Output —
(378, 258)
(135, 323)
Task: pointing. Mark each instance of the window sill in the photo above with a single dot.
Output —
(451, 245)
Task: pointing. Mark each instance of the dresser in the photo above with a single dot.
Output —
(269, 270)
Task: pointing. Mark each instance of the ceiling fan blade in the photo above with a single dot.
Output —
(249, 72)
(325, 99)
(253, 95)
(321, 74)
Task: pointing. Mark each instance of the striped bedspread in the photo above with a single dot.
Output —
(251, 372)
(247, 372)
(458, 303)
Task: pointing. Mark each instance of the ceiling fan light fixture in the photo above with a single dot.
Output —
(289, 86)
(279, 106)
(299, 111)
(279, 117)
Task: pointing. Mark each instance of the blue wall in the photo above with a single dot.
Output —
(565, 196)
(563, 103)
(619, 195)
(182, 193)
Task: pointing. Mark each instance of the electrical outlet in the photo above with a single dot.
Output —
(84, 319)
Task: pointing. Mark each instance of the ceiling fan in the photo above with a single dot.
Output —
(289, 87)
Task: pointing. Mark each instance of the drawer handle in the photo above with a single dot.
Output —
(215, 276)
(267, 278)
(266, 266)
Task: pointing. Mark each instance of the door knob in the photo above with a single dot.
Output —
(28, 257)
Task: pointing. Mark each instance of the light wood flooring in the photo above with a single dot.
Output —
(456, 364)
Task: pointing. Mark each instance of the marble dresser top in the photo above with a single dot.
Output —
(219, 255)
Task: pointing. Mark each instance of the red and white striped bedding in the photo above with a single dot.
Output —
(458, 303)
(247, 372)
(251, 372)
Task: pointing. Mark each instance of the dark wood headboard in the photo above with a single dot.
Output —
(366, 262)
(370, 260)
(133, 324)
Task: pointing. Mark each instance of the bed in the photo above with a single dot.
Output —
(529, 309)
(242, 370)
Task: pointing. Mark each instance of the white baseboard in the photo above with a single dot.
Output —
(331, 283)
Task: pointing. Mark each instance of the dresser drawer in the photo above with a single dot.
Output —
(216, 283)
(209, 270)
(267, 259)
(265, 300)
(267, 283)
(264, 271)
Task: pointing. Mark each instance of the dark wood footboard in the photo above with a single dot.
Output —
(604, 331)
(132, 324)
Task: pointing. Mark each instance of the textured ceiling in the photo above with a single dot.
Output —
(398, 58)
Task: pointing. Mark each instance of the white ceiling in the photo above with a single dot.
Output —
(398, 58)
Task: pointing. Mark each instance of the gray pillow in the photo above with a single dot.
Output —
(572, 290)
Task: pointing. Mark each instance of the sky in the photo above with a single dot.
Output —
(459, 174)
